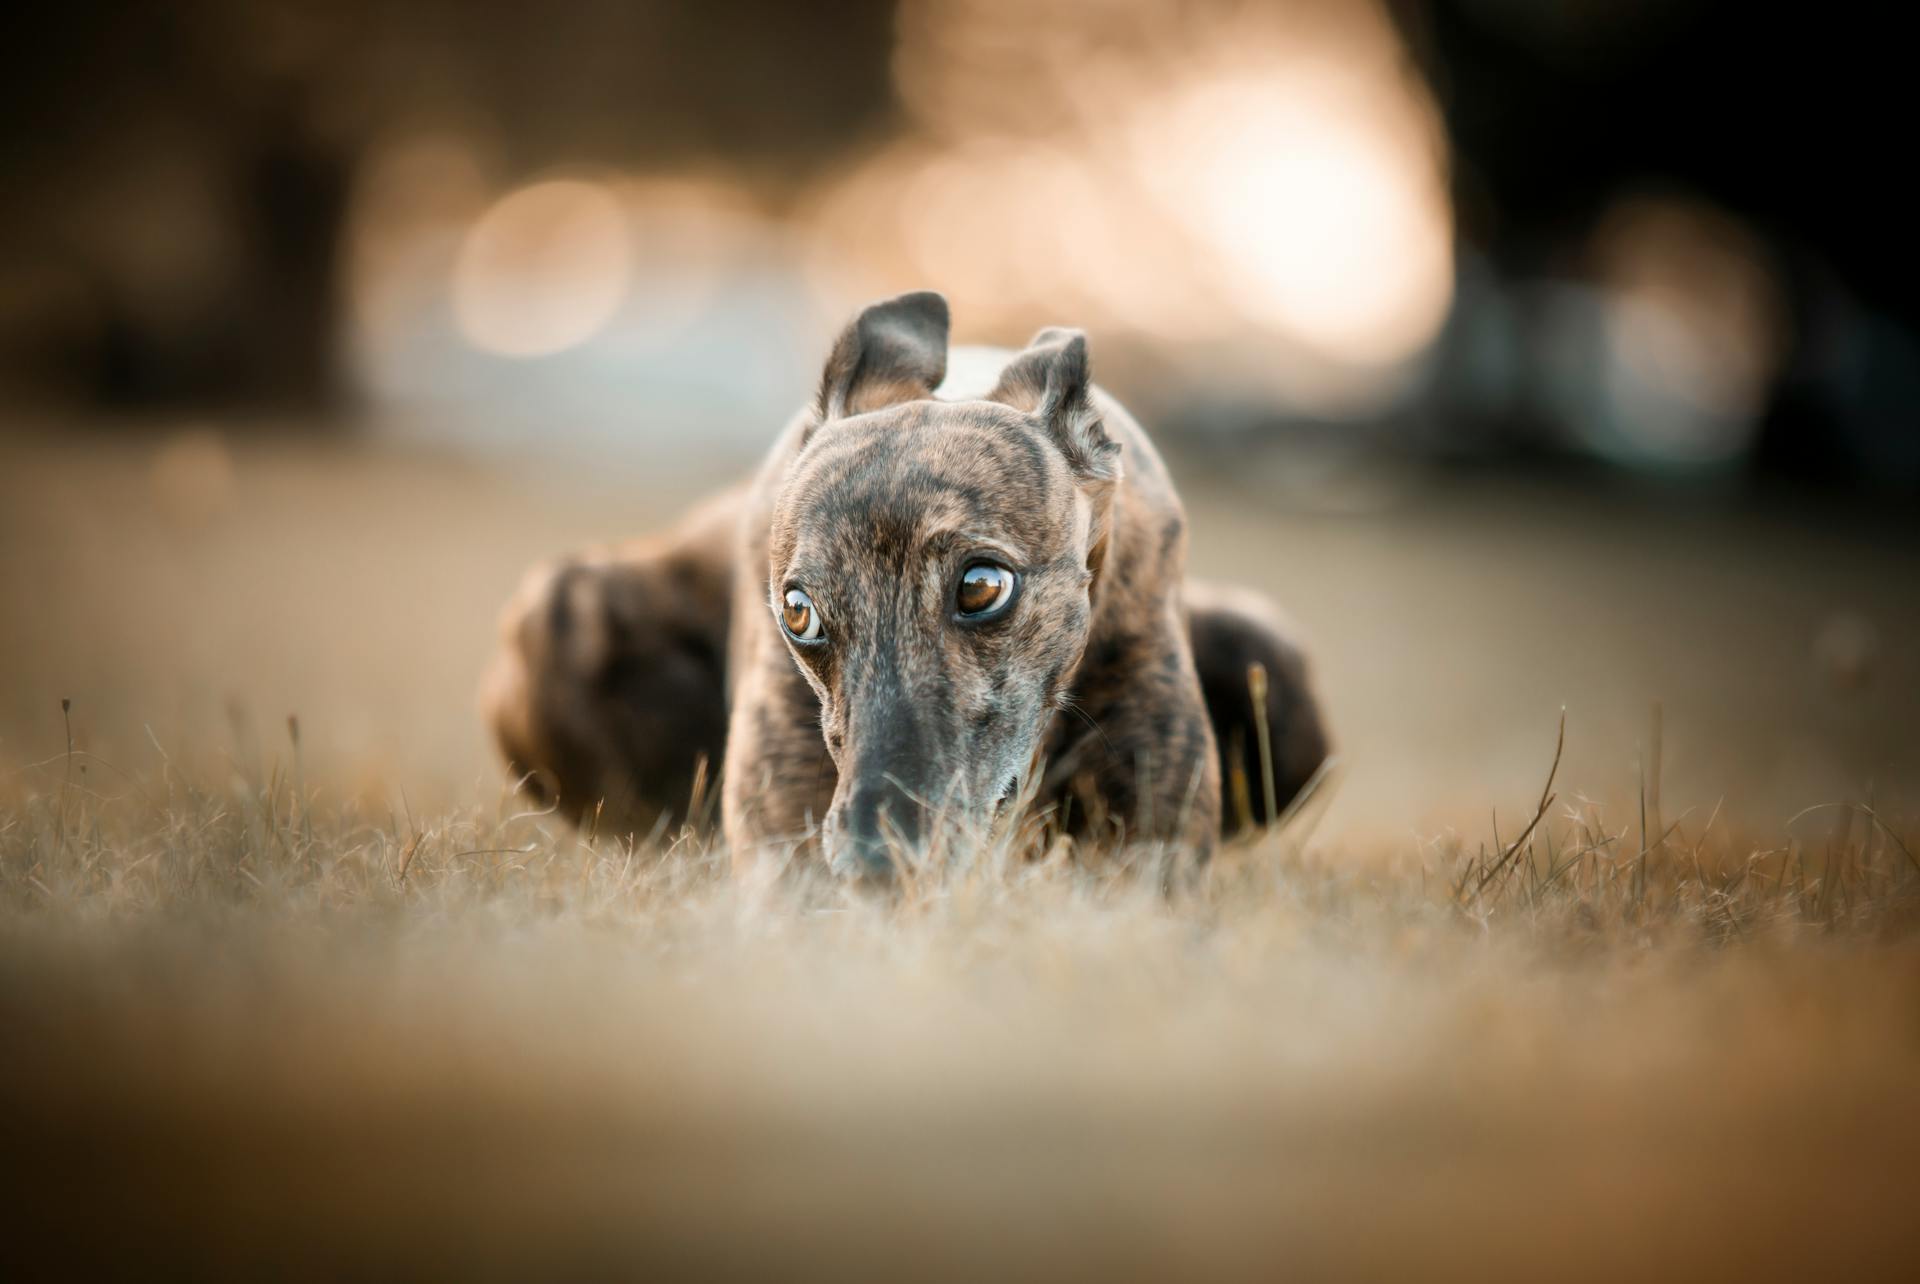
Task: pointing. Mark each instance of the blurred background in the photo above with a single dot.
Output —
(1536, 355)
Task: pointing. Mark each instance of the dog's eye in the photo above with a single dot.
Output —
(799, 618)
(986, 588)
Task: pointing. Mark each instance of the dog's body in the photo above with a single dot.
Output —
(939, 581)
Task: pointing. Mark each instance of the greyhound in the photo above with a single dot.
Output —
(943, 592)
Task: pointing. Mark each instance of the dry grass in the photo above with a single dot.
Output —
(343, 1012)
(254, 1031)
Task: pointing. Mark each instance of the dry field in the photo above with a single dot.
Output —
(331, 1004)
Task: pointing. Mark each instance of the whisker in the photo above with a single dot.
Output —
(1066, 702)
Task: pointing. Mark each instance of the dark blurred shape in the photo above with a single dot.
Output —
(178, 175)
(1783, 116)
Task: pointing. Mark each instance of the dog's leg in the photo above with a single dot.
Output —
(1232, 630)
(609, 687)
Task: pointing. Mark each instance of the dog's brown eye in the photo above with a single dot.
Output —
(802, 622)
(985, 589)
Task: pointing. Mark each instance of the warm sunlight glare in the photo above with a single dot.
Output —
(1327, 217)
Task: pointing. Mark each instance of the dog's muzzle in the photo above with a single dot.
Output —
(882, 825)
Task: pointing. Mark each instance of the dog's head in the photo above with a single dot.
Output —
(931, 569)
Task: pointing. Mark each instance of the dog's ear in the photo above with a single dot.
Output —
(1050, 380)
(894, 351)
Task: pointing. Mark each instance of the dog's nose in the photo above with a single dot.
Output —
(883, 823)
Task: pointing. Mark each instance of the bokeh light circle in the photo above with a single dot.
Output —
(543, 269)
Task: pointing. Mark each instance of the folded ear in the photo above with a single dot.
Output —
(1050, 380)
(894, 351)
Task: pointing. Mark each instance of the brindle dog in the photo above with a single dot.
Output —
(930, 593)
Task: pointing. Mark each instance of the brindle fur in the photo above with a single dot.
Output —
(1127, 685)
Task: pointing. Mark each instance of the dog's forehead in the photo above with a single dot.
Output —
(892, 479)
